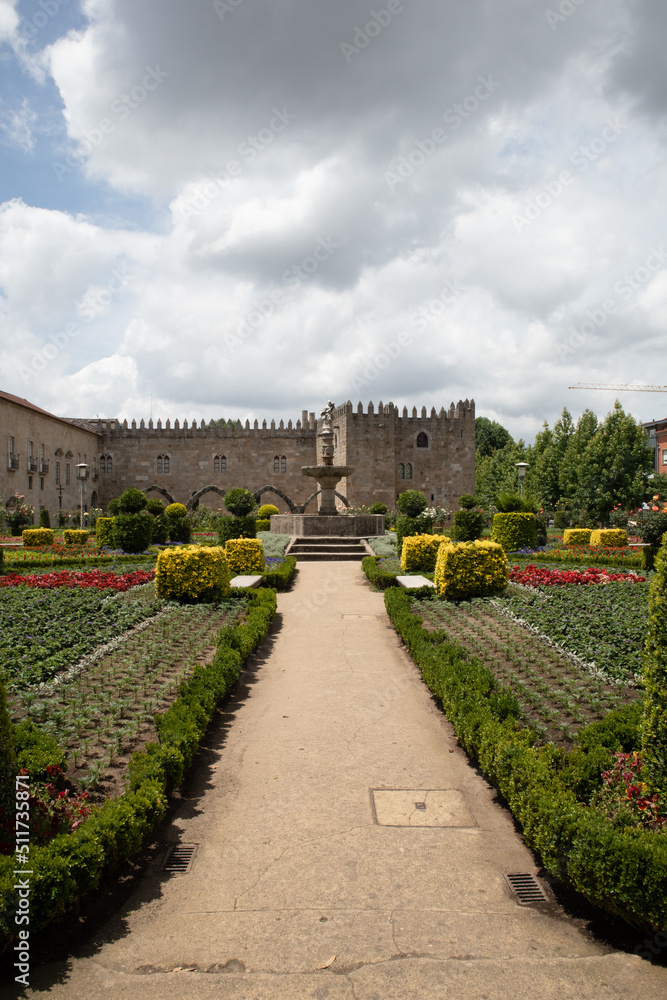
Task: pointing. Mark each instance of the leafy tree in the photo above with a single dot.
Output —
(490, 436)
(571, 464)
(546, 457)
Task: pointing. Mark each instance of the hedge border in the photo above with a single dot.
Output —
(375, 575)
(280, 578)
(623, 871)
(71, 865)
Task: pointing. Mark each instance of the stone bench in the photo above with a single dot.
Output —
(245, 581)
(414, 582)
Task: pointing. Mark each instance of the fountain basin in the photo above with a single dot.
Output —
(340, 525)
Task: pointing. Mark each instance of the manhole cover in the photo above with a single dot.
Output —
(421, 807)
(527, 888)
(360, 618)
(179, 859)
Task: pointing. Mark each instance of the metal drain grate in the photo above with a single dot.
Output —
(179, 859)
(527, 888)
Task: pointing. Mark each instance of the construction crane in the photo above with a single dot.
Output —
(620, 388)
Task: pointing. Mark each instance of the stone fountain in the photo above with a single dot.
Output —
(328, 521)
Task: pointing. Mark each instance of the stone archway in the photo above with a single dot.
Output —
(279, 493)
(302, 508)
(159, 489)
(193, 502)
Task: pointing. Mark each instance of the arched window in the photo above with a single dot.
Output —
(408, 471)
(103, 464)
(220, 463)
(163, 463)
(401, 471)
(283, 464)
(109, 463)
(276, 463)
(422, 440)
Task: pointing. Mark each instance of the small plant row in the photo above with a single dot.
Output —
(623, 558)
(540, 576)
(623, 870)
(84, 578)
(72, 865)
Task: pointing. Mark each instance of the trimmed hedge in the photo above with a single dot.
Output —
(34, 537)
(623, 870)
(244, 555)
(280, 578)
(514, 531)
(236, 527)
(192, 573)
(470, 569)
(577, 536)
(132, 532)
(75, 536)
(262, 524)
(419, 553)
(609, 538)
(104, 532)
(71, 865)
(375, 575)
(654, 724)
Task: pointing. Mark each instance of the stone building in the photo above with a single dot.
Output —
(390, 451)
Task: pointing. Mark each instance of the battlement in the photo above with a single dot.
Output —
(153, 429)
(455, 412)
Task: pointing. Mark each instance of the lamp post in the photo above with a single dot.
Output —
(82, 475)
(521, 466)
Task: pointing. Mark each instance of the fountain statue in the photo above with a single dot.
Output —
(327, 474)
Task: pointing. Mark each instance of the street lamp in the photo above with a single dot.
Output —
(82, 475)
(521, 466)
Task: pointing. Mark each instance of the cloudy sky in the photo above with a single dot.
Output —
(242, 208)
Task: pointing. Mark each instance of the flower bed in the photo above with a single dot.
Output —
(540, 576)
(85, 578)
(623, 557)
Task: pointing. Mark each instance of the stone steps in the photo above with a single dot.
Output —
(327, 549)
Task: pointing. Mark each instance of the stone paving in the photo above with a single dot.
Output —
(345, 848)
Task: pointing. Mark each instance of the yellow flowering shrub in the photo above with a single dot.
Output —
(75, 536)
(470, 569)
(609, 538)
(420, 552)
(245, 555)
(104, 532)
(577, 536)
(176, 510)
(192, 573)
(34, 537)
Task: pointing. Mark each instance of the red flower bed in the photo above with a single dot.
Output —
(540, 576)
(70, 578)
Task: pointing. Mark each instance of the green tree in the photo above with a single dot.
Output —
(571, 464)
(546, 458)
(490, 436)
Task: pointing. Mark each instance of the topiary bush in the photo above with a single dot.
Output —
(651, 526)
(408, 526)
(75, 536)
(34, 537)
(132, 532)
(267, 510)
(471, 569)
(44, 518)
(654, 722)
(239, 502)
(468, 525)
(159, 530)
(610, 538)
(192, 574)
(155, 507)
(244, 556)
(179, 525)
(411, 503)
(236, 527)
(514, 531)
(577, 536)
(131, 501)
(104, 532)
(262, 524)
(420, 552)
(467, 501)
(378, 508)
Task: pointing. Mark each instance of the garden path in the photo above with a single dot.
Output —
(301, 887)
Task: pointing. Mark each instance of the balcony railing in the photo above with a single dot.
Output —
(13, 462)
(43, 467)
(32, 465)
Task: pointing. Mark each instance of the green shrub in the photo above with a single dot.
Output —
(113, 507)
(34, 537)
(406, 526)
(239, 502)
(541, 530)
(2, 559)
(514, 531)
(36, 750)
(7, 757)
(510, 503)
(412, 503)
(267, 510)
(159, 529)
(44, 518)
(654, 723)
(471, 569)
(419, 553)
(377, 508)
(104, 532)
(467, 501)
(236, 527)
(577, 536)
(155, 506)
(281, 577)
(131, 501)
(651, 526)
(132, 532)
(468, 525)
(75, 536)
(262, 524)
(649, 552)
(179, 525)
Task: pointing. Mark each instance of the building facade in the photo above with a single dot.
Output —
(657, 433)
(389, 452)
